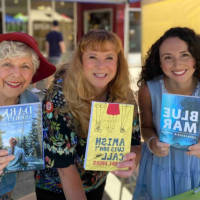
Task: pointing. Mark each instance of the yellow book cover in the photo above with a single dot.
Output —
(109, 135)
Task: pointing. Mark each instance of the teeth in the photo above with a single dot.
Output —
(13, 84)
(179, 73)
(100, 75)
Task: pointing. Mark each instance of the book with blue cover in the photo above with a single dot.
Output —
(21, 134)
(180, 120)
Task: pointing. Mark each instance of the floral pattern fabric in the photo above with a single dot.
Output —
(63, 147)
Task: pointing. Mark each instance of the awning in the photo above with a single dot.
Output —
(48, 16)
(160, 15)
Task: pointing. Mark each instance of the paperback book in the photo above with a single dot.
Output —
(109, 135)
(21, 134)
(180, 120)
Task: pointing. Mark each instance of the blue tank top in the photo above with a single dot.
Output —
(163, 177)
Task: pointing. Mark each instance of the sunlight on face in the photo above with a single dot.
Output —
(177, 63)
(100, 66)
(15, 76)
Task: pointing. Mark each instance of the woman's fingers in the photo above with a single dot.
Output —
(128, 163)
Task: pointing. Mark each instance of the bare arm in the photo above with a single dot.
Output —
(62, 47)
(146, 123)
(71, 183)
(146, 115)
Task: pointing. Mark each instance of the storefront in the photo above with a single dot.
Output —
(35, 17)
(121, 17)
(76, 17)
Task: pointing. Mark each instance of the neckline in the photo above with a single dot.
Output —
(164, 90)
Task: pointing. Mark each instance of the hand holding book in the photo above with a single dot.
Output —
(21, 150)
(180, 121)
(194, 150)
(109, 138)
(128, 165)
(158, 148)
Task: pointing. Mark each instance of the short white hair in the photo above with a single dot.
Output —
(10, 49)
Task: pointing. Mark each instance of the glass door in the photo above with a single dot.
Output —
(98, 19)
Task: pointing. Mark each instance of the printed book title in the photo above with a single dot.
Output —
(18, 113)
(112, 149)
(109, 136)
(180, 123)
(179, 120)
(22, 135)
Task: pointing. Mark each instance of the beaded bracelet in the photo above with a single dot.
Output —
(148, 141)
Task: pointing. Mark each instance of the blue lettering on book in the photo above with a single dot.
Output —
(112, 148)
(113, 156)
(110, 141)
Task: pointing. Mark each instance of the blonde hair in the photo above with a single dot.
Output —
(10, 49)
(77, 90)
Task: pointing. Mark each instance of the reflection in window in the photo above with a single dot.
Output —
(42, 15)
(16, 16)
(134, 31)
(98, 19)
(66, 10)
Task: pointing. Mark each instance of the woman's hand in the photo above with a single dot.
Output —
(158, 148)
(129, 162)
(4, 160)
(194, 150)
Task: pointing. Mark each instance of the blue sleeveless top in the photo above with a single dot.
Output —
(162, 177)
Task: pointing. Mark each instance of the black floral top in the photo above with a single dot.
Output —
(63, 147)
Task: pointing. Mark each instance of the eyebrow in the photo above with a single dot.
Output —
(165, 54)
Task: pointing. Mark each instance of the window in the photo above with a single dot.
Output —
(134, 31)
(98, 19)
(16, 15)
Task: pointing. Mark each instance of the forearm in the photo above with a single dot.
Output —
(62, 47)
(147, 133)
(71, 183)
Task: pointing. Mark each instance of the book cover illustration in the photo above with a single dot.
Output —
(180, 120)
(21, 134)
(109, 135)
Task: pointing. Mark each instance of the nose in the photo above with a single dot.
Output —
(100, 63)
(177, 62)
(16, 71)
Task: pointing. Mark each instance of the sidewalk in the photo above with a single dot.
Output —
(116, 188)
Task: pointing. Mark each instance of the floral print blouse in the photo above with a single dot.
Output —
(63, 147)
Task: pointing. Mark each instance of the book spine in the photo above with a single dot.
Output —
(88, 137)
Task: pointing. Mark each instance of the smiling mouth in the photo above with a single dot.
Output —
(13, 84)
(179, 73)
(100, 75)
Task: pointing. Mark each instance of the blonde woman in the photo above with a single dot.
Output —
(98, 71)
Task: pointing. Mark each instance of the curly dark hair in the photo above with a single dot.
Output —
(152, 68)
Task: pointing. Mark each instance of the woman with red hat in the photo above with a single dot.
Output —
(21, 64)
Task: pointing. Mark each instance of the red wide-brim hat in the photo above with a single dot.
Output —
(45, 68)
